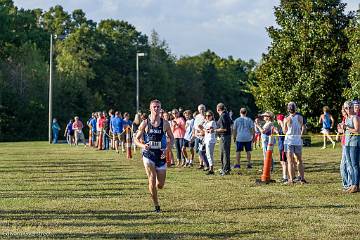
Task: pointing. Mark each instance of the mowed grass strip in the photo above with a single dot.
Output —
(59, 192)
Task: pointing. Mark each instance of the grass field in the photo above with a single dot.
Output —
(58, 192)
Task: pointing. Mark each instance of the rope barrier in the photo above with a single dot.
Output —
(317, 135)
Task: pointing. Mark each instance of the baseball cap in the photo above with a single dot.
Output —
(280, 117)
(355, 102)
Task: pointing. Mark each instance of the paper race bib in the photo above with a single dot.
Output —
(154, 145)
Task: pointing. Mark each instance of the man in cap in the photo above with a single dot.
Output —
(294, 128)
(356, 105)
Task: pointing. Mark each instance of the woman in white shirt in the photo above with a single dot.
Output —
(210, 139)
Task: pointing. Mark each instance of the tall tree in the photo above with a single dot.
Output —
(353, 33)
(306, 62)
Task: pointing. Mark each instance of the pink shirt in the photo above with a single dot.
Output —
(178, 129)
(77, 125)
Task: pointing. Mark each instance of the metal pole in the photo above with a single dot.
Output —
(137, 82)
(50, 86)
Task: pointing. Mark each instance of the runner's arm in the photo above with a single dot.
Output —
(139, 136)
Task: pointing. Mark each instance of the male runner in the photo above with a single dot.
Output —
(151, 137)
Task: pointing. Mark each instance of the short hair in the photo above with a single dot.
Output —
(221, 106)
(188, 112)
(210, 112)
(126, 114)
(202, 106)
(111, 111)
(155, 101)
(326, 109)
(291, 107)
(348, 104)
(243, 111)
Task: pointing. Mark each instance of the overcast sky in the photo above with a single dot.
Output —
(228, 27)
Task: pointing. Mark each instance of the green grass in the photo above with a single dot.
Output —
(58, 192)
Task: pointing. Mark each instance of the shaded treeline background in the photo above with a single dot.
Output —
(313, 59)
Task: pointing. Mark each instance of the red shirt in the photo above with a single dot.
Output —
(102, 122)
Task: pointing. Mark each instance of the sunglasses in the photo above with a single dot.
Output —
(208, 115)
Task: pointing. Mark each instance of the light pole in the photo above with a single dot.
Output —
(61, 37)
(137, 79)
(50, 86)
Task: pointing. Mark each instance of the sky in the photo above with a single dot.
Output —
(227, 27)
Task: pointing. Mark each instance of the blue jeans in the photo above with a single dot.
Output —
(344, 171)
(202, 154)
(55, 136)
(106, 142)
(352, 157)
(179, 143)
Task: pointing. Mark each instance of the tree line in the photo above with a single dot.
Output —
(313, 59)
(94, 69)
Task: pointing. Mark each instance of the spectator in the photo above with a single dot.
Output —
(257, 137)
(106, 129)
(266, 131)
(117, 128)
(283, 159)
(199, 121)
(77, 127)
(178, 129)
(294, 128)
(69, 133)
(188, 138)
(210, 139)
(352, 149)
(136, 124)
(224, 131)
(55, 129)
(344, 164)
(243, 132)
(92, 129)
(169, 153)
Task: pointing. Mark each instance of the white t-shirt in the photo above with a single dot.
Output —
(209, 137)
(199, 120)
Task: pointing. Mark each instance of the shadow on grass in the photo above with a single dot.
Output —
(75, 215)
(141, 235)
(266, 207)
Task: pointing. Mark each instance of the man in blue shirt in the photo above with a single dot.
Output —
(243, 136)
(117, 128)
(92, 126)
(126, 123)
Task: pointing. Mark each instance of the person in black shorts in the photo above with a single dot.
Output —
(151, 137)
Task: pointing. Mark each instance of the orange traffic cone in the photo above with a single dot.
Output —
(265, 177)
(128, 143)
